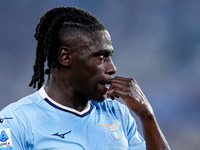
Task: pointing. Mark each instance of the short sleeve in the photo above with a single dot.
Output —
(135, 140)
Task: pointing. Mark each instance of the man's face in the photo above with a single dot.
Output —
(92, 65)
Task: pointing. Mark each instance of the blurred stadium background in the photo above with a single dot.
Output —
(155, 42)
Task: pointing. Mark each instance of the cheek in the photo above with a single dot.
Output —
(95, 66)
(97, 70)
(94, 75)
(91, 69)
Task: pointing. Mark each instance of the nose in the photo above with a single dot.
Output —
(110, 68)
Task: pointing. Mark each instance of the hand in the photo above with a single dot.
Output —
(130, 92)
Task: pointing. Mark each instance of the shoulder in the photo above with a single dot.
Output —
(17, 115)
(14, 119)
(26, 103)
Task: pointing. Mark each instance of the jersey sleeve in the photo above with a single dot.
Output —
(12, 130)
(135, 140)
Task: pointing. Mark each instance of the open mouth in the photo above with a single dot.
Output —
(107, 86)
(105, 83)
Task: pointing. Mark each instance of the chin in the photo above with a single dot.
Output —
(100, 98)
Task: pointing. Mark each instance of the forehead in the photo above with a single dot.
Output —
(101, 40)
(92, 42)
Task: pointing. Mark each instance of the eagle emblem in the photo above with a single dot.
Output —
(112, 128)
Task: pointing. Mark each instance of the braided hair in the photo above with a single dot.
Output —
(54, 21)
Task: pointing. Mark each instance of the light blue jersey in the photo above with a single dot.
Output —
(37, 122)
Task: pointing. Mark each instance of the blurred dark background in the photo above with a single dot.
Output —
(155, 42)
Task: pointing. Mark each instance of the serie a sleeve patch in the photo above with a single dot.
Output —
(5, 139)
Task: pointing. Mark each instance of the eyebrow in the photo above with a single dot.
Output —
(105, 51)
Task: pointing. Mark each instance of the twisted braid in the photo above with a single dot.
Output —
(54, 21)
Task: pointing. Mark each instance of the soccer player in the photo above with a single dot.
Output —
(76, 109)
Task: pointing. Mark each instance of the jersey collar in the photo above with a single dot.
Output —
(55, 104)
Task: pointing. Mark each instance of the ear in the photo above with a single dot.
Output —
(64, 56)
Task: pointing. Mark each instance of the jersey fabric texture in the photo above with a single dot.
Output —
(37, 122)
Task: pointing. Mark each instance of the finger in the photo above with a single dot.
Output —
(111, 92)
(111, 95)
(116, 86)
(116, 93)
(122, 78)
(119, 85)
(124, 81)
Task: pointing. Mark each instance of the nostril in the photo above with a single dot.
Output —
(112, 71)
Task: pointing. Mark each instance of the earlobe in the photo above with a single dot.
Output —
(64, 56)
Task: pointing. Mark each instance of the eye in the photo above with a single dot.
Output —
(102, 56)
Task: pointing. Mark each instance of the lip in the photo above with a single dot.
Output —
(105, 84)
(103, 89)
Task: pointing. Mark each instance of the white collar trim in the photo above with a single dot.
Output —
(44, 95)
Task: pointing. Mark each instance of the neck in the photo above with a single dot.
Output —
(63, 94)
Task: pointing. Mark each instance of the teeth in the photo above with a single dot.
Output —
(107, 85)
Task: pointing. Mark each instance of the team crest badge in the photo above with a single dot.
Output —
(113, 129)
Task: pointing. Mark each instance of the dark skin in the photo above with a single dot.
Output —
(86, 61)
